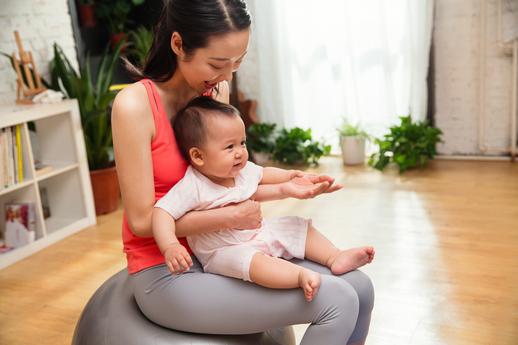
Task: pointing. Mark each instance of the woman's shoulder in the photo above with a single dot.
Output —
(132, 103)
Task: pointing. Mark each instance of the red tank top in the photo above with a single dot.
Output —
(168, 168)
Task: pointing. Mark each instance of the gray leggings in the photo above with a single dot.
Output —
(207, 303)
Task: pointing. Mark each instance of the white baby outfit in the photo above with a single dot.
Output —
(230, 252)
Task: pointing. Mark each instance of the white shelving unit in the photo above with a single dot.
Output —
(67, 184)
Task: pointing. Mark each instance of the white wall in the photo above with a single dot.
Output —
(457, 41)
(40, 24)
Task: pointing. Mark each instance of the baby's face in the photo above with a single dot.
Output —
(225, 147)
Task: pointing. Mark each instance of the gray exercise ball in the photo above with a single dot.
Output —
(112, 317)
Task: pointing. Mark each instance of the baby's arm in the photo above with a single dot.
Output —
(176, 256)
(273, 175)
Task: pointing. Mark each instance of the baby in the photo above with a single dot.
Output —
(211, 136)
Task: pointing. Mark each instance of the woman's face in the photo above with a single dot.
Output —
(208, 66)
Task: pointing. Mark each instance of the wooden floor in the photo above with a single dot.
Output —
(446, 267)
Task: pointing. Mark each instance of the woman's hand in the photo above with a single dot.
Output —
(177, 258)
(246, 215)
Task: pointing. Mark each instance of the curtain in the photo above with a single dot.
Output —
(320, 62)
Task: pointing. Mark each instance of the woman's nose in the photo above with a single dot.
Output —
(228, 74)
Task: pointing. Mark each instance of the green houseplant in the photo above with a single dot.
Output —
(115, 14)
(297, 147)
(94, 98)
(260, 141)
(408, 145)
(139, 44)
(352, 143)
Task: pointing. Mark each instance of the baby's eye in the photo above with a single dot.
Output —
(230, 147)
(243, 143)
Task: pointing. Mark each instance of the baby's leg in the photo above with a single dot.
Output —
(277, 273)
(322, 251)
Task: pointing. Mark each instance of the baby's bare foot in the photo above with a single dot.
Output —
(309, 281)
(350, 259)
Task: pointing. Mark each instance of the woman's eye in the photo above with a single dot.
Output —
(216, 67)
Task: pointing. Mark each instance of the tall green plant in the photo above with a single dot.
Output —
(409, 145)
(140, 43)
(115, 13)
(94, 98)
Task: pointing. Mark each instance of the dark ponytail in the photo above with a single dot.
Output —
(196, 21)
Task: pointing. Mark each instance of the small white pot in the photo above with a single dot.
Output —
(262, 159)
(353, 150)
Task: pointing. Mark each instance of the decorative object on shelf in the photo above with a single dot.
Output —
(28, 83)
(45, 206)
(408, 145)
(94, 103)
(48, 96)
(352, 143)
(20, 224)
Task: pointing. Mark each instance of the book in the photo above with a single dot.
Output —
(45, 203)
(19, 156)
(20, 224)
(2, 161)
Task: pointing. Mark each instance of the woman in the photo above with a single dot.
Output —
(196, 47)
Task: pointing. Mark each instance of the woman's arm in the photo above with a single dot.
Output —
(133, 129)
(244, 215)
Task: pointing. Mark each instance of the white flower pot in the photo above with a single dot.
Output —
(353, 150)
(262, 159)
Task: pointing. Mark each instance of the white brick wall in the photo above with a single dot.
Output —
(456, 39)
(40, 24)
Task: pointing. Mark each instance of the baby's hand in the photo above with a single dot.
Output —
(304, 178)
(177, 258)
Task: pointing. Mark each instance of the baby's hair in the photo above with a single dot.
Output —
(190, 123)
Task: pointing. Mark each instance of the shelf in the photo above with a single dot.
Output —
(16, 187)
(56, 170)
(61, 192)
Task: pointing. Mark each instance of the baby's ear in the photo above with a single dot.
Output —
(197, 157)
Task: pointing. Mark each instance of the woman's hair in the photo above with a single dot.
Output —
(190, 123)
(196, 21)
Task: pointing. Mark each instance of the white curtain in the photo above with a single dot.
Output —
(320, 61)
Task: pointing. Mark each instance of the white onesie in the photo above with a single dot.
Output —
(229, 252)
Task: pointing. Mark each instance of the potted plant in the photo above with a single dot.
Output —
(94, 98)
(297, 147)
(261, 142)
(86, 12)
(408, 145)
(139, 44)
(115, 14)
(352, 143)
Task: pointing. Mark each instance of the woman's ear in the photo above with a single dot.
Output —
(177, 44)
(197, 158)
